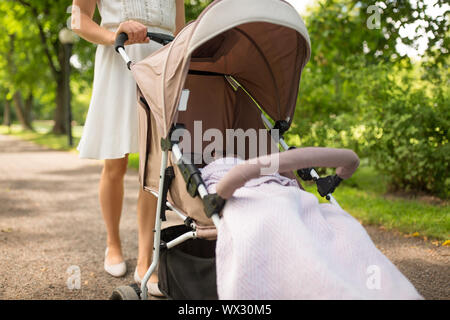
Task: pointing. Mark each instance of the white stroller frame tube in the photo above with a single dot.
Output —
(124, 55)
(184, 237)
(157, 236)
(203, 192)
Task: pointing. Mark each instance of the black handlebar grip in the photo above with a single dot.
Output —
(120, 41)
(161, 38)
(158, 37)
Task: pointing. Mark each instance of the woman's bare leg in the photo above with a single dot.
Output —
(111, 200)
(146, 209)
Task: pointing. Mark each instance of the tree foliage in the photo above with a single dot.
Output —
(194, 8)
(33, 53)
(359, 92)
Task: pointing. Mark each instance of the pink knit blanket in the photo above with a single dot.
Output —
(276, 241)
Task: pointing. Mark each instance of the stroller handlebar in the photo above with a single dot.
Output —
(120, 41)
(161, 38)
(344, 160)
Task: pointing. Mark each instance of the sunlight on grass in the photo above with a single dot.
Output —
(407, 216)
(133, 161)
(42, 135)
(363, 196)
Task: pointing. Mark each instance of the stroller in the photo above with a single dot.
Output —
(238, 66)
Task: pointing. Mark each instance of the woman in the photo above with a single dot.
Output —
(111, 128)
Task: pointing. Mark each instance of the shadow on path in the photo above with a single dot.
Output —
(50, 220)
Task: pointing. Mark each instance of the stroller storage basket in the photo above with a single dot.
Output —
(187, 271)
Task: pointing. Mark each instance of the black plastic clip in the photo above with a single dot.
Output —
(282, 126)
(213, 204)
(162, 245)
(192, 176)
(327, 185)
(169, 175)
(188, 221)
(167, 144)
(305, 174)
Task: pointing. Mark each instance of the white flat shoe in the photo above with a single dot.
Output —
(116, 270)
(152, 287)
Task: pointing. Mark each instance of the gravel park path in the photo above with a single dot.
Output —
(50, 221)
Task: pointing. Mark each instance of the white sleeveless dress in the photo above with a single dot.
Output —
(111, 127)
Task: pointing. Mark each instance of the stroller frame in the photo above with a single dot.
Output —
(213, 203)
(203, 194)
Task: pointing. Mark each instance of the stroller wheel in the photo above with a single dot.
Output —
(126, 293)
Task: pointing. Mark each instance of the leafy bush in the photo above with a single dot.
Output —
(408, 138)
(386, 114)
(330, 111)
(359, 92)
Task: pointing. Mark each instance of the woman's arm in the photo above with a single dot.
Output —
(180, 19)
(85, 27)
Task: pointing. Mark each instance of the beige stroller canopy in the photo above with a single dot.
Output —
(263, 44)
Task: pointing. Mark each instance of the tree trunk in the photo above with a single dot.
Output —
(19, 107)
(7, 113)
(60, 111)
(29, 108)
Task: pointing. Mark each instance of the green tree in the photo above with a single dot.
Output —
(49, 17)
(357, 84)
(194, 8)
(42, 22)
(19, 62)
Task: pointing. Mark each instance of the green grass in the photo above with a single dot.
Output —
(363, 196)
(42, 135)
(133, 161)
